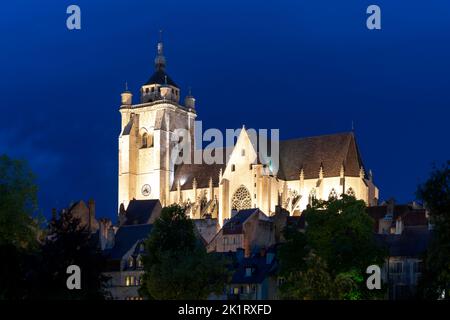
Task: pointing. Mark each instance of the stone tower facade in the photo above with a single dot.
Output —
(148, 137)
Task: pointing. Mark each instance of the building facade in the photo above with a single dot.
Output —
(315, 167)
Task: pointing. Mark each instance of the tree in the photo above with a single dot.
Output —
(329, 261)
(69, 243)
(19, 226)
(176, 263)
(435, 193)
(18, 204)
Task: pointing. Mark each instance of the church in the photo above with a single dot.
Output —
(320, 167)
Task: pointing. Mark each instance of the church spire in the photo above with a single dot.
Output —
(160, 60)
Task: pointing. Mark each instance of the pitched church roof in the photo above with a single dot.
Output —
(330, 151)
(185, 173)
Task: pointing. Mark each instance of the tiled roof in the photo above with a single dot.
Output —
(126, 237)
(260, 269)
(409, 215)
(330, 151)
(235, 223)
(140, 211)
(186, 173)
(411, 243)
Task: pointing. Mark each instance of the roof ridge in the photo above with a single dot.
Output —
(320, 136)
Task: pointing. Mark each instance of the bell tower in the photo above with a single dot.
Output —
(149, 135)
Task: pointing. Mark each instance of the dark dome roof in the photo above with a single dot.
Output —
(159, 77)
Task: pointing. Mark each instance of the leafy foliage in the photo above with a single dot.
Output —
(69, 243)
(18, 204)
(177, 265)
(435, 193)
(329, 260)
(19, 231)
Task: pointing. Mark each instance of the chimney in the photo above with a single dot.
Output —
(91, 206)
(106, 234)
(247, 251)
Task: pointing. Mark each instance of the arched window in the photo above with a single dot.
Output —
(241, 199)
(333, 194)
(144, 140)
(350, 192)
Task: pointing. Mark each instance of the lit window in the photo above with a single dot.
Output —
(140, 262)
(130, 262)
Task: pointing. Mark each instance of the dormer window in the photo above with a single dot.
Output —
(140, 262)
(130, 262)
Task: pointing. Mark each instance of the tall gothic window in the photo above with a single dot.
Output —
(241, 199)
(350, 192)
(333, 194)
(144, 140)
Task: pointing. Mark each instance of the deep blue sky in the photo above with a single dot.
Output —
(306, 67)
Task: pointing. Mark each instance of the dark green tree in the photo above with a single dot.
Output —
(18, 204)
(19, 226)
(177, 265)
(329, 261)
(69, 243)
(435, 193)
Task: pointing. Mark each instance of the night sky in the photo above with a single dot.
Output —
(306, 67)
